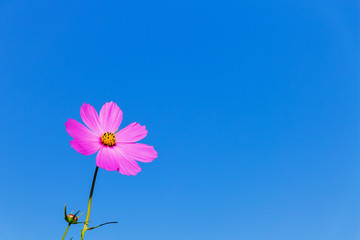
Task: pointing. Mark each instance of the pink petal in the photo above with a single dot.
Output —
(77, 130)
(132, 133)
(107, 159)
(110, 117)
(86, 146)
(138, 151)
(90, 118)
(128, 166)
(111, 159)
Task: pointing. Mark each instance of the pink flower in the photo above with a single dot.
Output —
(117, 150)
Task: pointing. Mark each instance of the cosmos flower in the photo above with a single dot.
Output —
(117, 150)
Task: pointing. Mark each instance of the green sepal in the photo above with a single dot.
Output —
(66, 217)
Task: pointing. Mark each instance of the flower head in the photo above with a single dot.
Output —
(117, 150)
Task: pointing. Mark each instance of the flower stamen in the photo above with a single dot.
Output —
(108, 139)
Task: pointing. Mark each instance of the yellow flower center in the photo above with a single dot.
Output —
(108, 139)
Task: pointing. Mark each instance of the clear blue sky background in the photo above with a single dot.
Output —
(253, 107)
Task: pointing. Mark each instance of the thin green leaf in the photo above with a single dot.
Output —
(101, 225)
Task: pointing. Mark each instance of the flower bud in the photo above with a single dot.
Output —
(72, 218)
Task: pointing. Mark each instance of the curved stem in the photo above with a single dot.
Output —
(89, 205)
(66, 231)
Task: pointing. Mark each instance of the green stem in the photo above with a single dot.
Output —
(89, 205)
(66, 231)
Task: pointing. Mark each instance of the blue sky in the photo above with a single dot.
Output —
(253, 107)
